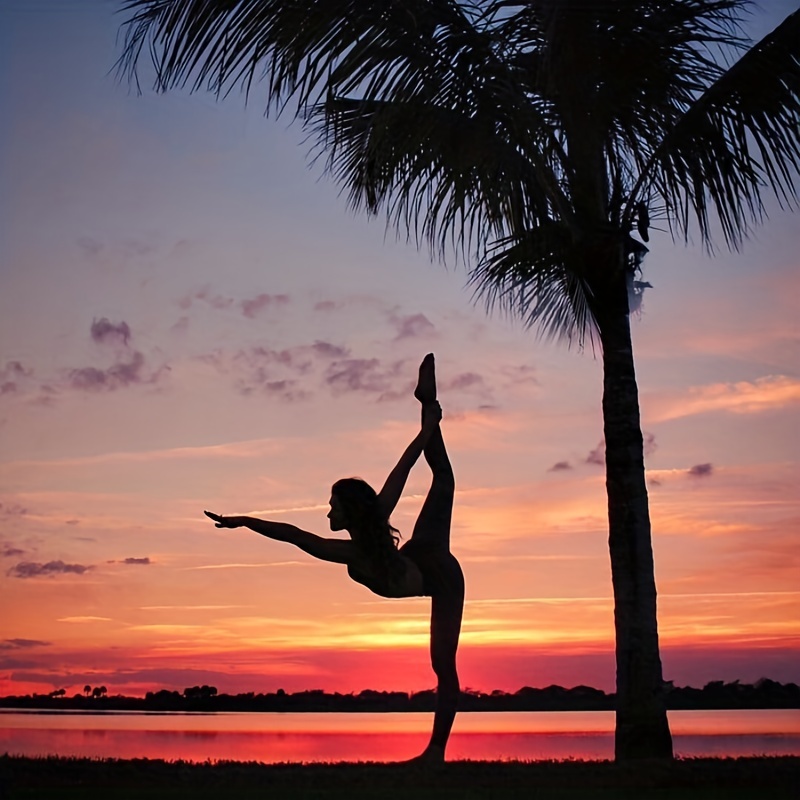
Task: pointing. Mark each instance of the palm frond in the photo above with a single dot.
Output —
(740, 137)
(539, 276)
(301, 49)
(447, 175)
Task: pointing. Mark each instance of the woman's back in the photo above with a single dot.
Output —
(403, 578)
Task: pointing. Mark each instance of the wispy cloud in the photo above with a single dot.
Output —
(193, 608)
(22, 644)
(249, 449)
(12, 375)
(288, 374)
(412, 326)
(250, 566)
(463, 381)
(124, 250)
(216, 301)
(363, 375)
(13, 510)
(745, 397)
(560, 466)
(144, 561)
(251, 308)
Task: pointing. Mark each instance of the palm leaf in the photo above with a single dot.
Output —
(300, 48)
(540, 277)
(740, 136)
(450, 175)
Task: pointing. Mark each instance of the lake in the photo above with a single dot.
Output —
(315, 737)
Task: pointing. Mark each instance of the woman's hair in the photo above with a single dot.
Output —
(369, 526)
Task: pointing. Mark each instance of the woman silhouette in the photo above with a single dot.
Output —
(424, 566)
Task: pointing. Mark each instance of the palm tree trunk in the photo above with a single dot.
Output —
(642, 730)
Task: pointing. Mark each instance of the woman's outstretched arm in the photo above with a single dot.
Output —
(395, 483)
(340, 551)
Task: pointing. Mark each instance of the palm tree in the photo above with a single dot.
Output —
(534, 138)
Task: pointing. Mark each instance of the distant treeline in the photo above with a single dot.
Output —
(715, 695)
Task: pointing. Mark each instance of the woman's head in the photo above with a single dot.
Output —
(355, 507)
(354, 503)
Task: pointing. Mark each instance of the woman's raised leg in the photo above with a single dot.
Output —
(433, 523)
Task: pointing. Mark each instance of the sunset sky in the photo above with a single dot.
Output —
(191, 317)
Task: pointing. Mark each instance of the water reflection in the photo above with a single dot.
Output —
(274, 738)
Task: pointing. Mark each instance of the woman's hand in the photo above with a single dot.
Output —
(224, 522)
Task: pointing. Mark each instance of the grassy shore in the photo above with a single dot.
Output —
(775, 778)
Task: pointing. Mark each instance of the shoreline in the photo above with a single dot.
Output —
(699, 778)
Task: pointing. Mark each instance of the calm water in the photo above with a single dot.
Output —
(273, 737)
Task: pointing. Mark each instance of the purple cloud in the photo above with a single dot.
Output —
(13, 510)
(127, 249)
(252, 308)
(128, 370)
(700, 470)
(263, 369)
(598, 455)
(21, 644)
(133, 560)
(103, 331)
(91, 247)
(10, 376)
(32, 569)
(14, 370)
(204, 295)
(360, 375)
(181, 326)
(283, 390)
(465, 380)
(412, 326)
(117, 376)
(520, 374)
(560, 466)
(9, 551)
(328, 350)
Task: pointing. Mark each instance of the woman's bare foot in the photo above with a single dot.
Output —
(431, 756)
(426, 385)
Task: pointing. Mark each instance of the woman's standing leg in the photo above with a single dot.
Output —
(446, 611)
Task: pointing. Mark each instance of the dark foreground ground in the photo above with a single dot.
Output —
(688, 779)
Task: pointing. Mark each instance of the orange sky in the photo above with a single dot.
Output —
(190, 319)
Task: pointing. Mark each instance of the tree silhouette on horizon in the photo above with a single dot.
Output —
(534, 139)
